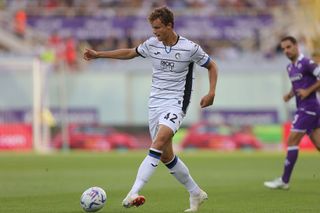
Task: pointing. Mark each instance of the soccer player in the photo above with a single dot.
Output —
(304, 74)
(173, 58)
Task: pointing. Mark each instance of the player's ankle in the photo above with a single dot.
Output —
(195, 192)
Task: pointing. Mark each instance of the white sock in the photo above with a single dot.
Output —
(146, 169)
(181, 172)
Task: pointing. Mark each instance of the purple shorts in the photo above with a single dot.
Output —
(305, 121)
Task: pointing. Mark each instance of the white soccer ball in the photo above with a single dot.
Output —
(93, 199)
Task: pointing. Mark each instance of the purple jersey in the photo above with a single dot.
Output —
(303, 74)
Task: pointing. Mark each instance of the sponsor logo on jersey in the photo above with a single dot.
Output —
(167, 65)
(177, 55)
(296, 77)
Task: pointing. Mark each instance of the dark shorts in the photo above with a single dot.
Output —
(305, 121)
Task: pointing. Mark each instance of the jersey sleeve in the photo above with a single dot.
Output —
(143, 49)
(314, 68)
(199, 56)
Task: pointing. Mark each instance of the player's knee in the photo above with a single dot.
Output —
(294, 139)
(315, 141)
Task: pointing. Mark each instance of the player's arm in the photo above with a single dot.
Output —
(115, 54)
(208, 99)
(303, 93)
(288, 96)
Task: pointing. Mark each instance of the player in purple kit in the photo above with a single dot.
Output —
(304, 75)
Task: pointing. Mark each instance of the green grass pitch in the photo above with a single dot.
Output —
(33, 183)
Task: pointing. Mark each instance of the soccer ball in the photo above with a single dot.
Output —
(93, 199)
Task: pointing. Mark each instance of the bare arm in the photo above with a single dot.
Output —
(115, 54)
(288, 96)
(303, 93)
(208, 99)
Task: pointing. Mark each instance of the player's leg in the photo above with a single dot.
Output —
(304, 122)
(171, 120)
(292, 154)
(291, 158)
(315, 138)
(148, 167)
(181, 172)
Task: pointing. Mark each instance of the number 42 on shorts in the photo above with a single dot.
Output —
(171, 116)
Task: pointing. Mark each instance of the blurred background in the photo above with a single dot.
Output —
(51, 99)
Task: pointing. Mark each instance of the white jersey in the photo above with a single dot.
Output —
(172, 77)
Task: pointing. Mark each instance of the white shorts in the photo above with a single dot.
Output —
(171, 118)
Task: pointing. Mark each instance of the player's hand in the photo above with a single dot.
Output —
(303, 93)
(90, 54)
(207, 100)
(287, 97)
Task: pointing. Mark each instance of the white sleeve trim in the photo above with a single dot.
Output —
(316, 72)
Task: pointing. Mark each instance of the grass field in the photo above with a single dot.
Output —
(31, 183)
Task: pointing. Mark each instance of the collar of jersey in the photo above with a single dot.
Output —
(165, 47)
(300, 57)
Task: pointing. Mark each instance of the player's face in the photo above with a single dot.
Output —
(160, 30)
(290, 49)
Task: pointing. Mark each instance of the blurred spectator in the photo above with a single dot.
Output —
(47, 54)
(197, 3)
(128, 39)
(71, 53)
(65, 50)
(20, 20)
(50, 4)
(55, 42)
(227, 46)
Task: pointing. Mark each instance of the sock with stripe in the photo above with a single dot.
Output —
(146, 169)
(292, 156)
(181, 172)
